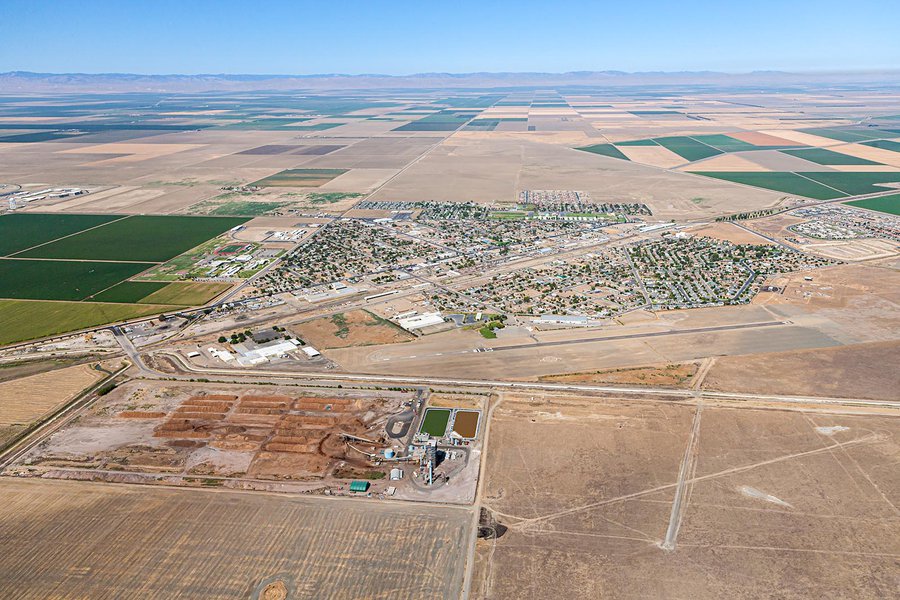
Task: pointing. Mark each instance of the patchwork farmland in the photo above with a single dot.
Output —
(68, 267)
(818, 163)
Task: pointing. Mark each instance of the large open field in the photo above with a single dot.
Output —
(821, 186)
(62, 279)
(714, 501)
(134, 542)
(26, 319)
(27, 399)
(300, 178)
(22, 231)
(886, 204)
(138, 238)
(354, 328)
(855, 371)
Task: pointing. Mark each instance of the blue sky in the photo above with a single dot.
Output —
(399, 37)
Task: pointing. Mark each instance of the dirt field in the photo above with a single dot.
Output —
(72, 540)
(673, 375)
(16, 369)
(730, 233)
(354, 328)
(854, 303)
(769, 503)
(858, 371)
(184, 434)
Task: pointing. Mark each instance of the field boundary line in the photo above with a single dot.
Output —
(70, 235)
(88, 260)
(846, 195)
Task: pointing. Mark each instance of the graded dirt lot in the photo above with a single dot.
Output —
(747, 502)
(354, 328)
(73, 540)
(856, 371)
(730, 233)
(180, 434)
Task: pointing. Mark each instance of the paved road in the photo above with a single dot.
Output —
(193, 371)
(641, 335)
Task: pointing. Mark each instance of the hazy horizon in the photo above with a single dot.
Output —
(403, 38)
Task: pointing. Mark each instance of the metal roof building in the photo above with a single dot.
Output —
(359, 486)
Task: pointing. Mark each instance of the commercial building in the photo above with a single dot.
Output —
(420, 321)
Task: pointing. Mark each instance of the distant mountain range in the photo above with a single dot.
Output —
(25, 81)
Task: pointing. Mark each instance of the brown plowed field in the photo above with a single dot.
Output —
(73, 540)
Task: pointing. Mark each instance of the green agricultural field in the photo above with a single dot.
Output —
(300, 178)
(823, 156)
(884, 145)
(128, 292)
(508, 214)
(268, 124)
(886, 204)
(638, 143)
(43, 136)
(848, 134)
(434, 423)
(605, 150)
(28, 319)
(687, 148)
(789, 183)
(186, 293)
(61, 279)
(445, 120)
(315, 127)
(24, 230)
(138, 238)
(724, 142)
(246, 209)
(331, 197)
(856, 184)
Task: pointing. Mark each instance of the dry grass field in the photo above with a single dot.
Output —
(856, 371)
(25, 400)
(354, 328)
(769, 503)
(672, 375)
(73, 540)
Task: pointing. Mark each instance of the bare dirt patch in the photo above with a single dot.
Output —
(677, 375)
(730, 233)
(204, 434)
